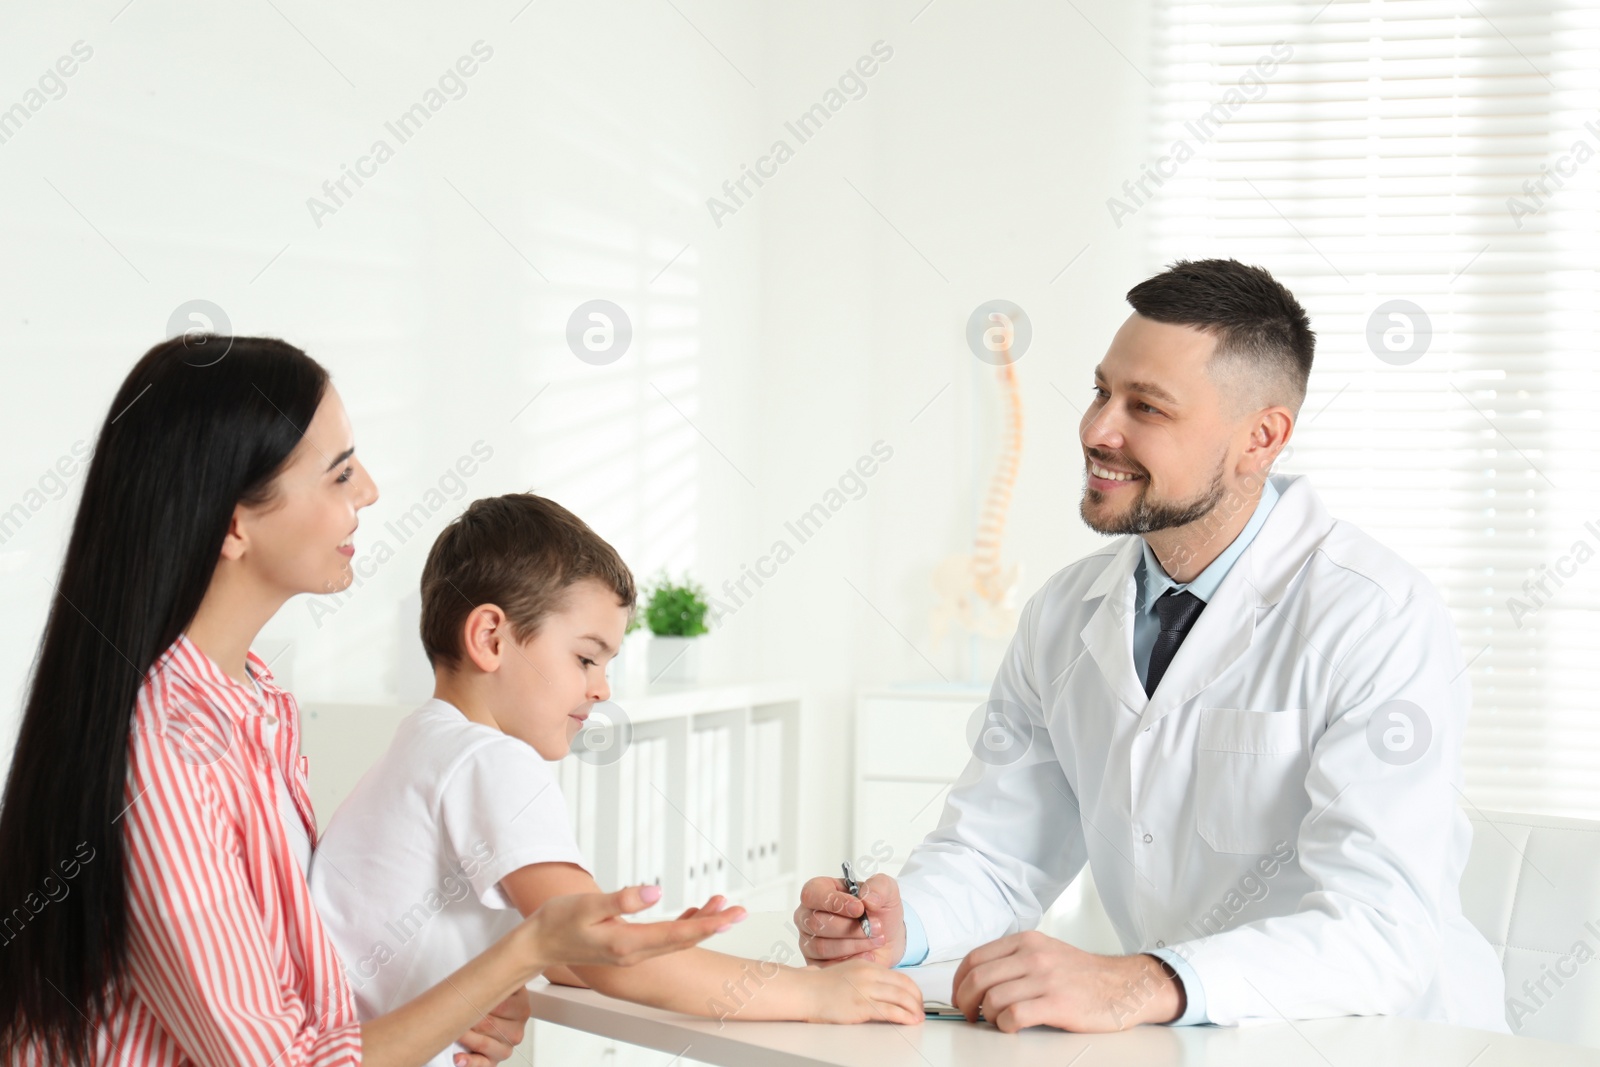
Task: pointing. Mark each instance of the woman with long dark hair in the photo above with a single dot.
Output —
(155, 825)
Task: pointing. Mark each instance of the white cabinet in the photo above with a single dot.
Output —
(702, 796)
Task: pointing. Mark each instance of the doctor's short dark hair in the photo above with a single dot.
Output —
(519, 551)
(1253, 317)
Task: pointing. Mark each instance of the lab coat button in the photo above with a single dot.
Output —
(1148, 839)
(1161, 944)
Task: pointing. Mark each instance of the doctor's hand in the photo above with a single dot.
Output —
(829, 920)
(1030, 979)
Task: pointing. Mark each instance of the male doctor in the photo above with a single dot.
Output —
(1243, 714)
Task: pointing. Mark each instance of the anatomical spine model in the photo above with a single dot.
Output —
(975, 591)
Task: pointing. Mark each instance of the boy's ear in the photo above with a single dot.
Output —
(484, 636)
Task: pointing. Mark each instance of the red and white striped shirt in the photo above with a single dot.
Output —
(228, 962)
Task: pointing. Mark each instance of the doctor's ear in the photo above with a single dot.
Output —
(1270, 433)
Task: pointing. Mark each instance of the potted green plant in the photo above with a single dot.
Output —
(675, 612)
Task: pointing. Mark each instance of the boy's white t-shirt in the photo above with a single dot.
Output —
(406, 877)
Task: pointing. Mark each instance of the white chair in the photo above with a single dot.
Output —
(1532, 886)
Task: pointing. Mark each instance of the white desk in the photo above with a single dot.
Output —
(1346, 1042)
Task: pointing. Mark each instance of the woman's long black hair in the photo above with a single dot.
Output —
(201, 424)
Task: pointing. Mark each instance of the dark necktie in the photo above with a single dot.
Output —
(1177, 612)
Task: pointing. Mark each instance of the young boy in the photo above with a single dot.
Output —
(459, 829)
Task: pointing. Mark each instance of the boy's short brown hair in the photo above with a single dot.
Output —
(519, 551)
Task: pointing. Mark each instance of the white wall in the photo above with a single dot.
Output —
(192, 140)
(793, 336)
(989, 141)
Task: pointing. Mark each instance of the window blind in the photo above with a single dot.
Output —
(1425, 176)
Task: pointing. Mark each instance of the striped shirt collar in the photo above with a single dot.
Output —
(188, 660)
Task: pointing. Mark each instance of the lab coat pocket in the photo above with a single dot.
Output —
(1250, 771)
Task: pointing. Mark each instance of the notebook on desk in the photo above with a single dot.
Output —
(937, 982)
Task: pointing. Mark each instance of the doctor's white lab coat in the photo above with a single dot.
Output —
(1251, 815)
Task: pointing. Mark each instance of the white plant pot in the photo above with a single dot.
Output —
(627, 671)
(673, 660)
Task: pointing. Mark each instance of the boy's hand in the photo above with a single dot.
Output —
(588, 928)
(859, 991)
(497, 1034)
(829, 920)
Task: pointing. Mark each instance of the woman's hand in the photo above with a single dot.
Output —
(588, 928)
(860, 991)
(714, 906)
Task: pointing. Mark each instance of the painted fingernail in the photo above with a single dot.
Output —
(724, 928)
(650, 893)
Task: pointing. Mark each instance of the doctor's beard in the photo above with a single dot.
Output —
(1146, 516)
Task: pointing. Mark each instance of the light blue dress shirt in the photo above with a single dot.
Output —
(1151, 581)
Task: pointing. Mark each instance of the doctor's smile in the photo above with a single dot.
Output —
(1103, 479)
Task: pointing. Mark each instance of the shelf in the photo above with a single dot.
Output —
(702, 800)
(677, 701)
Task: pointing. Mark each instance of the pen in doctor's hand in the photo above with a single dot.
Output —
(854, 887)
